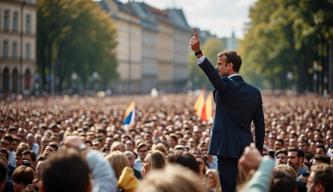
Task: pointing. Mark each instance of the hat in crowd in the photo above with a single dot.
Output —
(142, 144)
(180, 147)
(54, 126)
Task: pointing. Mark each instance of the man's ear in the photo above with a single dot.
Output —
(230, 66)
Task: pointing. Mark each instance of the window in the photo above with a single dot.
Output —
(6, 20)
(28, 23)
(14, 51)
(27, 51)
(15, 22)
(5, 49)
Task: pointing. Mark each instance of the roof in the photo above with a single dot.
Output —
(178, 19)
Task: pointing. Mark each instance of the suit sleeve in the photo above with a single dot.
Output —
(259, 124)
(220, 84)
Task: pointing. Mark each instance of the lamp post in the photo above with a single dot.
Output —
(21, 47)
(129, 56)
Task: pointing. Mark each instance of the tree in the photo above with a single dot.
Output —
(75, 37)
(284, 37)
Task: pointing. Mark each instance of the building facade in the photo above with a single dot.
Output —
(18, 21)
(129, 52)
(164, 50)
(152, 47)
(182, 32)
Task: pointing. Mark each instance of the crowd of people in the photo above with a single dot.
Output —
(63, 143)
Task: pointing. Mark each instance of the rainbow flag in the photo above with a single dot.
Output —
(129, 115)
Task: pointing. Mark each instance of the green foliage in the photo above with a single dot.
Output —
(286, 36)
(75, 36)
(210, 48)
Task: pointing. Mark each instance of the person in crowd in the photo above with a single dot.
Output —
(281, 157)
(131, 157)
(28, 158)
(142, 150)
(32, 143)
(237, 105)
(295, 159)
(185, 159)
(154, 160)
(202, 167)
(174, 178)
(212, 181)
(50, 149)
(5, 185)
(283, 181)
(69, 170)
(252, 159)
(124, 173)
(22, 179)
(321, 178)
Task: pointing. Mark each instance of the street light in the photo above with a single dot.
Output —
(74, 83)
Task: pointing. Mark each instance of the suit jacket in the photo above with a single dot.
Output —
(237, 105)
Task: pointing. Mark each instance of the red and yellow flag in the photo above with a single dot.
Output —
(204, 108)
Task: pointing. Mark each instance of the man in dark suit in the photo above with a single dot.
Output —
(237, 105)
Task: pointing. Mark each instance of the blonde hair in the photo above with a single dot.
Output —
(160, 147)
(174, 178)
(155, 159)
(243, 177)
(118, 161)
(287, 169)
(216, 179)
(115, 146)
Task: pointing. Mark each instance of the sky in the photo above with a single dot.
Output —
(220, 17)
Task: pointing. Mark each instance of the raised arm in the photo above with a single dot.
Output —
(220, 84)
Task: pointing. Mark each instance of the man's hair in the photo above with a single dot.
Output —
(286, 168)
(281, 141)
(300, 153)
(232, 57)
(322, 159)
(31, 153)
(282, 181)
(142, 144)
(284, 151)
(54, 145)
(23, 175)
(4, 151)
(9, 138)
(66, 171)
(323, 174)
(321, 146)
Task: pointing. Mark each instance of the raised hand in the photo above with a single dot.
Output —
(194, 41)
(251, 157)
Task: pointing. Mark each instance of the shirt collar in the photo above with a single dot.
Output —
(233, 75)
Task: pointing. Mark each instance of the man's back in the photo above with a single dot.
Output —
(237, 105)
